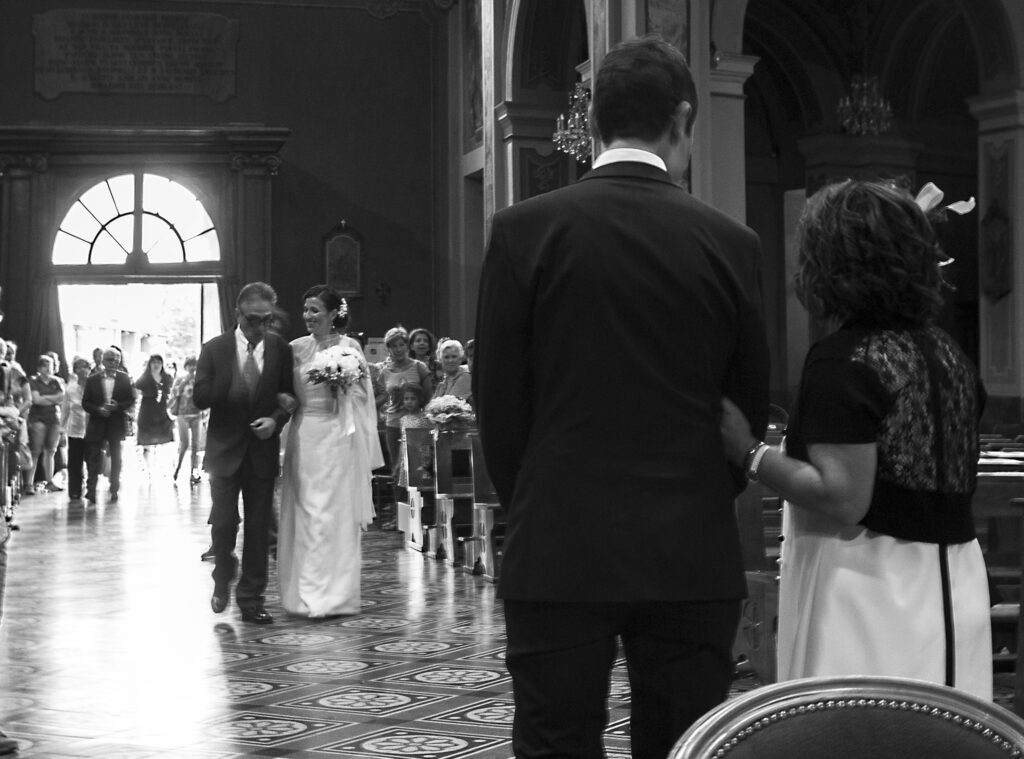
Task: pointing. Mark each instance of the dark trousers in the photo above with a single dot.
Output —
(76, 460)
(257, 492)
(94, 462)
(560, 656)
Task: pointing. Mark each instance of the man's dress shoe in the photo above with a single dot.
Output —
(257, 615)
(218, 603)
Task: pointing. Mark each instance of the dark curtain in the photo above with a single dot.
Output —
(227, 292)
(45, 332)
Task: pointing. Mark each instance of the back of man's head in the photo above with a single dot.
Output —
(639, 86)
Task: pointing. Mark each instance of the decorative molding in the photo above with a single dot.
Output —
(269, 163)
(37, 162)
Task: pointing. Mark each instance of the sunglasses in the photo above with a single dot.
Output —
(255, 320)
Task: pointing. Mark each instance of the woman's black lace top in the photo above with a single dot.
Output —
(913, 393)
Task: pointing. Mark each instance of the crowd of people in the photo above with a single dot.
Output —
(881, 571)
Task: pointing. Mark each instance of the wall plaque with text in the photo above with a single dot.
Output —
(134, 52)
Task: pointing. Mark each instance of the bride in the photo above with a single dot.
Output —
(332, 446)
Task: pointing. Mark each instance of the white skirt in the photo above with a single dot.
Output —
(855, 602)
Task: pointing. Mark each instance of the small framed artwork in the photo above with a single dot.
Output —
(343, 260)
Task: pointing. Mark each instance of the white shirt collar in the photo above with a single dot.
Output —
(635, 155)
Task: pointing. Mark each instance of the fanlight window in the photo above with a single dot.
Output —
(150, 217)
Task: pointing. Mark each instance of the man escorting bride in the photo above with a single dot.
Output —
(331, 449)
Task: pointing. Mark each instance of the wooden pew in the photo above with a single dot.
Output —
(759, 518)
(482, 549)
(416, 515)
(453, 492)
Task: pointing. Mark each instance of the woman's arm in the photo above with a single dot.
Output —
(426, 380)
(838, 481)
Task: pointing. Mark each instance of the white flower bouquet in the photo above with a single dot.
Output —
(446, 410)
(337, 367)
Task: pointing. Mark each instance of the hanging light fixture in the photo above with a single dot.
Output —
(572, 134)
(864, 110)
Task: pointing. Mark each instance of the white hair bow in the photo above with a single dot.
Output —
(930, 196)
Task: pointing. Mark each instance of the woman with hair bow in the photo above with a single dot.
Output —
(881, 573)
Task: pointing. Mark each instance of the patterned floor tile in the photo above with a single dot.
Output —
(325, 666)
(259, 729)
(134, 664)
(415, 648)
(492, 712)
(424, 744)
(447, 676)
(363, 700)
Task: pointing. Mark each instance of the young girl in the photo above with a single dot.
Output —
(413, 399)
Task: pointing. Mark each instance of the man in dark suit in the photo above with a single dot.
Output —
(239, 378)
(613, 316)
(107, 397)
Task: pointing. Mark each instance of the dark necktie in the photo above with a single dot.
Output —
(251, 373)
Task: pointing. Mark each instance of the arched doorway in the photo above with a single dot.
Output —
(137, 263)
(46, 170)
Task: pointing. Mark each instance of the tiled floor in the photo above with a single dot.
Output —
(108, 648)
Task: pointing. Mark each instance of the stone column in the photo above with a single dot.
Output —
(729, 72)
(1000, 251)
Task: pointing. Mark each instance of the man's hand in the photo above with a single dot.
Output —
(263, 427)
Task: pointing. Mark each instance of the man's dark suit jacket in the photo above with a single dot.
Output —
(111, 427)
(613, 316)
(228, 438)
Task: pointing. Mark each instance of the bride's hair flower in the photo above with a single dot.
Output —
(336, 367)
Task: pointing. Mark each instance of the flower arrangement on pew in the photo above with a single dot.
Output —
(449, 412)
(337, 367)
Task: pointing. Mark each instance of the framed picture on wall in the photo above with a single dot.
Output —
(343, 260)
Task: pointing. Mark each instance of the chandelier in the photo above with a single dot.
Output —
(864, 110)
(572, 135)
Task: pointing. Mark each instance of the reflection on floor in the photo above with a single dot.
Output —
(109, 649)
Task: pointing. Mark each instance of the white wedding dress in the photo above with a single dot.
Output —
(331, 448)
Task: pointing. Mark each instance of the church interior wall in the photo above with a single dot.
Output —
(364, 98)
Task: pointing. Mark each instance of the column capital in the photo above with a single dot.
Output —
(998, 111)
(729, 72)
(25, 163)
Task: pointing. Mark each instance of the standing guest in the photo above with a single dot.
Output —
(332, 448)
(189, 418)
(154, 422)
(470, 347)
(881, 572)
(107, 399)
(12, 359)
(621, 275)
(400, 370)
(44, 425)
(239, 377)
(60, 456)
(455, 379)
(75, 421)
(97, 361)
(421, 348)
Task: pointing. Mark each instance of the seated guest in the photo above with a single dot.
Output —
(456, 378)
(881, 573)
(44, 422)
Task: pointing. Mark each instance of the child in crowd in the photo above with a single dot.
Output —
(413, 400)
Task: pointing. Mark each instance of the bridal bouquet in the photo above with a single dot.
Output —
(448, 409)
(336, 367)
